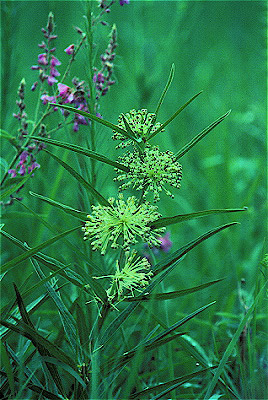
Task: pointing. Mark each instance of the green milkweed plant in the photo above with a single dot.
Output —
(120, 237)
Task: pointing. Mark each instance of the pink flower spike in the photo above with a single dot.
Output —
(42, 59)
(54, 61)
(48, 99)
(70, 49)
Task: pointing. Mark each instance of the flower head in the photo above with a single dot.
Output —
(135, 275)
(121, 223)
(70, 49)
(150, 171)
(141, 123)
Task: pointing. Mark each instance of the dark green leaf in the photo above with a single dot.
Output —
(174, 116)
(16, 186)
(81, 180)
(31, 334)
(184, 217)
(180, 380)
(29, 253)
(200, 136)
(82, 216)
(82, 150)
(92, 117)
(172, 295)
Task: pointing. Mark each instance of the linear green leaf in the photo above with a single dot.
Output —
(185, 249)
(30, 333)
(16, 186)
(37, 389)
(7, 365)
(83, 281)
(81, 180)
(29, 253)
(181, 380)
(84, 151)
(184, 217)
(174, 116)
(82, 216)
(172, 295)
(200, 136)
(170, 79)
(43, 351)
(92, 117)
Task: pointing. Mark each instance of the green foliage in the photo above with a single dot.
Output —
(193, 326)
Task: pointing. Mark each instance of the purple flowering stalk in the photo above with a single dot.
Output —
(52, 89)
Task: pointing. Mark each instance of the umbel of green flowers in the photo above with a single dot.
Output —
(141, 122)
(135, 275)
(150, 171)
(121, 223)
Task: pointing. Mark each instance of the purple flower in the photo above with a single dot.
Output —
(42, 59)
(122, 2)
(23, 157)
(51, 80)
(12, 172)
(165, 242)
(70, 49)
(48, 99)
(54, 61)
(33, 166)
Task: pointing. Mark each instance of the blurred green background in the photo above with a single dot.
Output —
(218, 47)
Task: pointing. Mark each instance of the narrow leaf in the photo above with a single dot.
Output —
(181, 380)
(8, 368)
(92, 117)
(81, 180)
(170, 79)
(184, 217)
(82, 216)
(84, 151)
(130, 133)
(200, 136)
(185, 249)
(29, 253)
(31, 334)
(172, 295)
(174, 116)
(85, 284)
(16, 186)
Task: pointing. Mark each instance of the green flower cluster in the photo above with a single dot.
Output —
(141, 123)
(150, 171)
(135, 275)
(121, 223)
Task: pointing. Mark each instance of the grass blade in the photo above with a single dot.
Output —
(7, 365)
(185, 217)
(173, 116)
(81, 180)
(85, 152)
(200, 136)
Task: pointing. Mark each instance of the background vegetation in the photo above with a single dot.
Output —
(217, 47)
